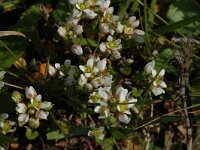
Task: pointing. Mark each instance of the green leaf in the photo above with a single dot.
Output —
(5, 139)
(31, 135)
(123, 7)
(162, 61)
(107, 144)
(54, 135)
(9, 4)
(137, 92)
(60, 13)
(78, 131)
(7, 105)
(125, 70)
(181, 10)
(117, 134)
(13, 47)
(174, 26)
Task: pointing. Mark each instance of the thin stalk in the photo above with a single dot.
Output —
(12, 85)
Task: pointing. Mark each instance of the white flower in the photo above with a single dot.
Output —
(34, 122)
(150, 67)
(123, 97)
(94, 98)
(103, 110)
(104, 93)
(62, 31)
(105, 28)
(51, 70)
(21, 108)
(78, 29)
(82, 80)
(36, 102)
(89, 68)
(77, 49)
(90, 14)
(158, 83)
(101, 65)
(97, 133)
(23, 119)
(30, 92)
(120, 27)
(112, 46)
(42, 114)
(46, 105)
(103, 4)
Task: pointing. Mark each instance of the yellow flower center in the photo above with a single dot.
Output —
(83, 6)
(97, 132)
(94, 97)
(36, 104)
(111, 44)
(88, 69)
(128, 30)
(123, 107)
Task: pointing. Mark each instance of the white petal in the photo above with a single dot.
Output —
(46, 105)
(2, 74)
(101, 65)
(90, 14)
(124, 118)
(116, 54)
(131, 20)
(21, 108)
(157, 91)
(62, 31)
(97, 109)
(120, 27)
(51, 70)
(102, 93)
(42, 114)
(90, 62)
(150, 66)
(82, 80)
(82, 68)
(135, 23)
(110, 38)
(57, 66)
(102, 47)
(163, 84)
(139, 32)
(78, 29)
(30, 92)
(154, 72)
(115, 18)
(162, 73)
(73, 2)
(77, 49)
(110, 10)
(3, 116)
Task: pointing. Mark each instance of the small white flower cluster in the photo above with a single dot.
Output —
(95, 74)
(6, 125)
(66, 71)
(34, 110)
(157, 78)
(108, 24)
(2, 75)
(97, 79)
(98, 133)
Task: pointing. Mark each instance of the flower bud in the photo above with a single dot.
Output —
(30, 92)
(62, 31)
(34, 123)
(77, 49)
(17, 97)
